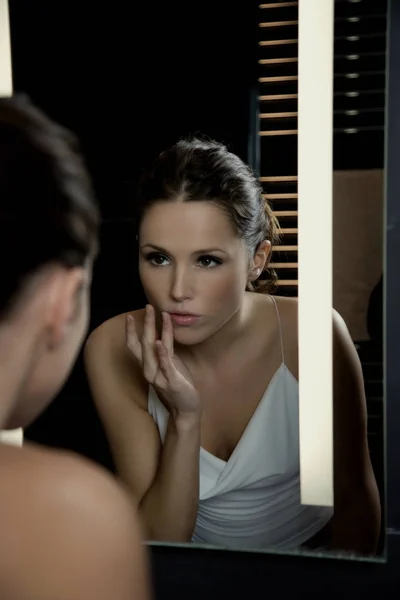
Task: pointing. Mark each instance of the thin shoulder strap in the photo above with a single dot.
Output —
(280, 327)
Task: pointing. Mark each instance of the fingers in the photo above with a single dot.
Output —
(167, 336)
(132, 340)
(150, 360)
(146, 351)
(168, 368)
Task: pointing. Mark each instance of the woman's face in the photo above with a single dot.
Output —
(191, 261)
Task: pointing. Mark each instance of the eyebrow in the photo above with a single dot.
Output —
(164, 251)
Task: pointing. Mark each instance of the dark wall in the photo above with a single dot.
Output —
(129, 79)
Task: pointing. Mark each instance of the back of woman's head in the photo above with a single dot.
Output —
(48, 212)
(197, 170)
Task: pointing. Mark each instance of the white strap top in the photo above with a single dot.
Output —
(253, 499)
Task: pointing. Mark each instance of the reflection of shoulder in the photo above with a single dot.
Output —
(113, 330)
(288, 308)
(288, 311)
(111, 367)
(106, 345)
(56, 510)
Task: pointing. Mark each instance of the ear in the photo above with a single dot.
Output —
(62, 302)
(259, 260)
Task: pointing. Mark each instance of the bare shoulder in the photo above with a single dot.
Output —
(112, 331)
(339, 326)
(120, 394)
(69, 516)
(288, 314)
(288, 310)
(345, 355)
(57, 483)
(344, 349)
(107, 356)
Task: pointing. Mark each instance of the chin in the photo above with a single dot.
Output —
(186, 336)
(187, 340)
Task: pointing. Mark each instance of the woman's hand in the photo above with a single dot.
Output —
(161, 367)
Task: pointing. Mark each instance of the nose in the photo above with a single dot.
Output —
(181, 285)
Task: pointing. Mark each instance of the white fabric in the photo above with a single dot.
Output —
(253, 499)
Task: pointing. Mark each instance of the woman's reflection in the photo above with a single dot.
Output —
(199, 392)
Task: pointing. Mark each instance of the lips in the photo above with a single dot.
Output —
(183, 319)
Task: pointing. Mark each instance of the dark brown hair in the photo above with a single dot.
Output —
(48, 212)
(196, 170)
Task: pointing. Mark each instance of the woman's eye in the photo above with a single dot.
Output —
(210, 261)
(159, 260)
(156, 259)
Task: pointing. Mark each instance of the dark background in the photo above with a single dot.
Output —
(130, 79)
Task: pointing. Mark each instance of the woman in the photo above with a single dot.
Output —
(67, 530)
(200, 399)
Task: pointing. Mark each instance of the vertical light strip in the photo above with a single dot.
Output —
(315, 165)
(14, 436)
(6, 86)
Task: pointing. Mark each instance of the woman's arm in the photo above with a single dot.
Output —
(355, 525)
(169, 507)
(163, 480)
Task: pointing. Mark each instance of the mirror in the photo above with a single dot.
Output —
(230, 69)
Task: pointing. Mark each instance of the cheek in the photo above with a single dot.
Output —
(223, 286)
(226, 287)
(152, 282)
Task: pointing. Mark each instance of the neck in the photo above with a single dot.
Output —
(15, 361)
